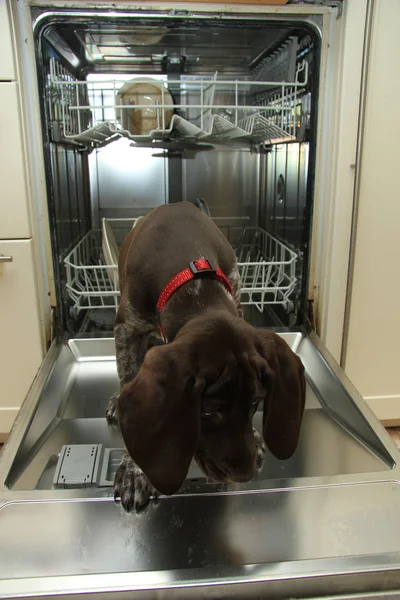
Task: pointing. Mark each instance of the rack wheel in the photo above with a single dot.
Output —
(289, 307)
(73, 313)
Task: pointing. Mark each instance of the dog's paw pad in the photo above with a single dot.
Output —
(131, 487)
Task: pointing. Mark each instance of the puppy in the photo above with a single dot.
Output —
(195, 396)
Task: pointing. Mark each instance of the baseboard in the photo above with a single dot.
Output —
(386, 408)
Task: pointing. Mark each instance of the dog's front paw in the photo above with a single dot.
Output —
(131, 486)
(111, 411)
(260, 450)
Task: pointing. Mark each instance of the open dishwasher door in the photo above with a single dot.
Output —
(323, 521)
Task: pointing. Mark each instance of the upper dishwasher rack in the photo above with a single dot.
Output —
(205, 109)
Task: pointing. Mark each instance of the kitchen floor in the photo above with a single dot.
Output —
(394, 432)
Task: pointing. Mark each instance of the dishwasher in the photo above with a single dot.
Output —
(140, 108)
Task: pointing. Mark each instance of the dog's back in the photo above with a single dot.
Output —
(164, 243)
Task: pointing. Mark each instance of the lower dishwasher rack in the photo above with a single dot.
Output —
(325, 521)
(266, 265)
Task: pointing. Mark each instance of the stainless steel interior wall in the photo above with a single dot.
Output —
(70, 207)
(126, 181)
(227, 179)
(283, 205)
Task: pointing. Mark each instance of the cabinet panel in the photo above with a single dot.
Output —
(20, 342)
(373, 353)
(7, 67)
(14, 215)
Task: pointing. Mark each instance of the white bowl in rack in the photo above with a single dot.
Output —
(151, 94)
(110, 252)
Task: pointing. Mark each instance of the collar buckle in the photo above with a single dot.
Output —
(201, 265)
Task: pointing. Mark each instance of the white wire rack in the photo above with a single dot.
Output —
(267, 268)
(209, 109)
(279, 65)
(91, 284)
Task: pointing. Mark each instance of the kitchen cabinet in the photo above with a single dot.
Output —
(7, 66)
(373, 354)
(20, 341)
(14, 212)
(21, 344)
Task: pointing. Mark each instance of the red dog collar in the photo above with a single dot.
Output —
(197, 268)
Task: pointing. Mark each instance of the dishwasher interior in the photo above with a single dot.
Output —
(226, 117)
(142, 112)
(139, 111)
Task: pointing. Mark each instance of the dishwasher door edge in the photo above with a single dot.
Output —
(27, 411)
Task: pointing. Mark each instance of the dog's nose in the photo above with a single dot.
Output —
(238, 477)
(240, 473)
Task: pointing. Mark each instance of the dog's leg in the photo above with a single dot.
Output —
(130, 483)
(132, 486)
(131, 346)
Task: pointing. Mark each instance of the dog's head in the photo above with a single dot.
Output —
(196, 397)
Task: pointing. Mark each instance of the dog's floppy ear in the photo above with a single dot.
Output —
(283, 378)
(159, 417)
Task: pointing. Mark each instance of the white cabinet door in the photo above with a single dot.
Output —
(20, 342)
(7, 67)
(14, 213)
(373, 352)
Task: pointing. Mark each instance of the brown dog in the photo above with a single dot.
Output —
(196, 395)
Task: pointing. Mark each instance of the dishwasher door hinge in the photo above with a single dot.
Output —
(339, 12)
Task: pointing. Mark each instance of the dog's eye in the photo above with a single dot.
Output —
(255, 403)
(211, 406)
(208, 415)
(258, 399)
(213, 418)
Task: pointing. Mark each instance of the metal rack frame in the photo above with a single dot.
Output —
(267, 269)
(221, 110)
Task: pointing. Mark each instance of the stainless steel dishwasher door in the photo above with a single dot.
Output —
(326, 519)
